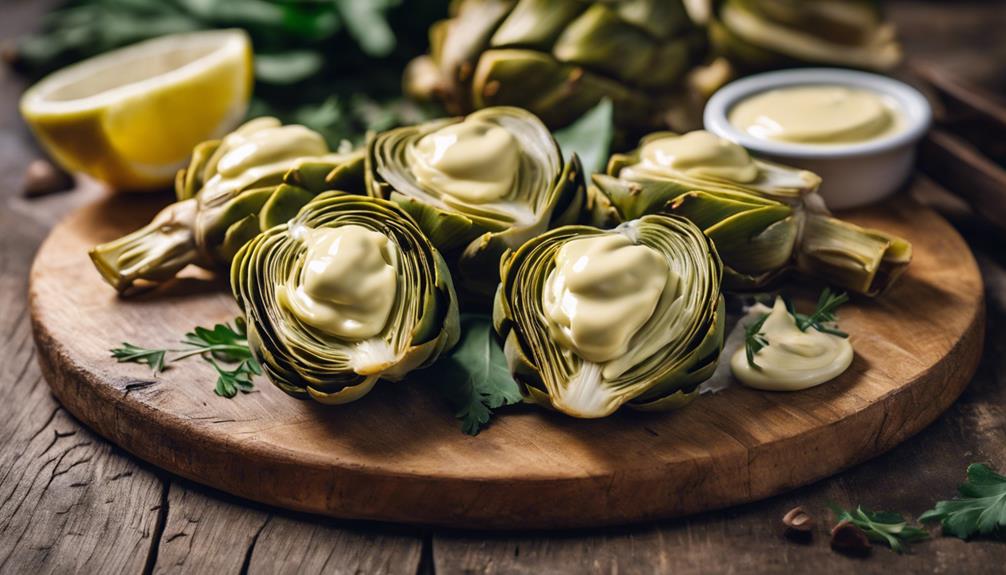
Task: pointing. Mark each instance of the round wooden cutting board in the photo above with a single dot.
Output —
(398, 455)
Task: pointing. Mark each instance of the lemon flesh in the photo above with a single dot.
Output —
(131, 117)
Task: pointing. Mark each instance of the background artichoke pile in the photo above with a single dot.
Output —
(654, 59)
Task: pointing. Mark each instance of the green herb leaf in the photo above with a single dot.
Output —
(590, 137)
(825, 316)
(474, 378)
(222, 343)
(981, 509)
(754, 340)
(130, 353)
(229, 382)
(882, 526)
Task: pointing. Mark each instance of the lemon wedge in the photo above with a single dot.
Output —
(131, 117)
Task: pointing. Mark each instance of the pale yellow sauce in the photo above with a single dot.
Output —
(601, 292)
(347, 284)
(255, 150)
(793, 359)
(699, 154)
(474, 161)
(817, 115)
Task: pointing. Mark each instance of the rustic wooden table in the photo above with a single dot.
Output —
(72, 502)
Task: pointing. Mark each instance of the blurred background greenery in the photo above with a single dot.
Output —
(334, 65)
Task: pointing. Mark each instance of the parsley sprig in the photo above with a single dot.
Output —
(222, 344)
(824, 319)
(882, 526)
(981, 508)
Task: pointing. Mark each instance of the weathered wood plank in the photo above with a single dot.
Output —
(68, 500)
(302, 545)
(206, 534)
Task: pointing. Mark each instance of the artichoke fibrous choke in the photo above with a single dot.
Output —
(595, 319)
(256, 177)
(348, 292)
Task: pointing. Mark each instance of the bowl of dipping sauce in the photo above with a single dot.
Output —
(856, 130)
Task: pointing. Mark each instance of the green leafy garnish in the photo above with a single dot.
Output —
(824, 317)
(754, 340)
(590, 137)
(882, 526)
(130, 353)
(474, 378)
(981, 509)
(222, 343)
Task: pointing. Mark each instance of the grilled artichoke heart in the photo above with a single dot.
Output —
(595, 319)
(346, 293)
(764, 218)
(477, 185)
(559, 58)
(759, 34)
(256, 177)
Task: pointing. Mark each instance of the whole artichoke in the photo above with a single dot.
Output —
(254, 178)
(477, 185)
(764, 218)
(559, 58)
(760, 34)
(346, 293)
(595, 319)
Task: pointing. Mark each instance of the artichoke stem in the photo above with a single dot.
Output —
(154, 253)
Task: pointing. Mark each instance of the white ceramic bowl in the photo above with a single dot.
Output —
(853, 174)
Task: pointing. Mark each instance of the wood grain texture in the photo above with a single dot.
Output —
(397, 455)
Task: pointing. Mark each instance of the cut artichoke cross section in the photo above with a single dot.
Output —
(256, 177)
(345, 294)
(478, 185)
(595, 319)
(764, 218)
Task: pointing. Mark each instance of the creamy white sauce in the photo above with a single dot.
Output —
(257, 149)
(793, 359)
(347, 284)
(474, 161)
(601, 292)
(698, 153)
(817, 115)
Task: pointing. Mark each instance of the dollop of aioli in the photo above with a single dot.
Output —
(474, 161)
(698, 153)
(347, 284)
(817, 115)
(793, 359)
(601, 292)
(256, 149)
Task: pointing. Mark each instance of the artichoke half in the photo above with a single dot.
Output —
(559, 58)
(346, 293)
(256, 177)
(477, 186)
(760, 34)
(595, 319)
(764, 218)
